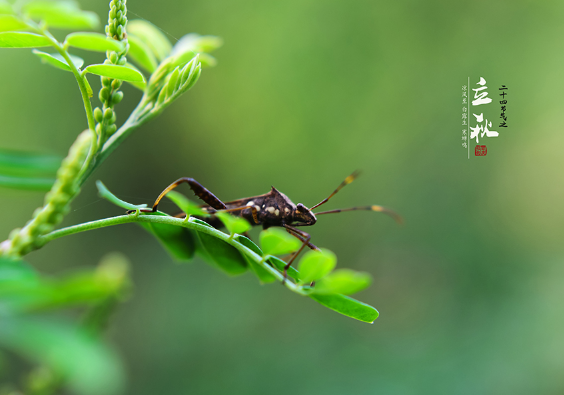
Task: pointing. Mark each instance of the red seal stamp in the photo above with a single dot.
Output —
(481, 150)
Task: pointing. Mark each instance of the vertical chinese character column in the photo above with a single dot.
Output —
(480, 98)
(503, 102)
(464, 116)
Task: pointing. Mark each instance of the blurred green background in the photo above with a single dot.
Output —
(469, 290)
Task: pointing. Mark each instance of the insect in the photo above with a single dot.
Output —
(271, 209)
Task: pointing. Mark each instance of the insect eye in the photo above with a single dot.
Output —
(301, 207)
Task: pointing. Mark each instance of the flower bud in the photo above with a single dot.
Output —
(111, 129)
(116, 97)
(104, 94)
(108, 113)
(98, 115)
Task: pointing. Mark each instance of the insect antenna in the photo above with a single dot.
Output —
(380, 209)
(347, 181)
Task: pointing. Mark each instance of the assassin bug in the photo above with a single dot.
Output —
(271, 209)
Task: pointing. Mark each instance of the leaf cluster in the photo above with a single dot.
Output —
(234, 254)
(168, 71)
(55, 344)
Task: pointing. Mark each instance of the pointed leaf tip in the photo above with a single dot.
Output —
(348, 306)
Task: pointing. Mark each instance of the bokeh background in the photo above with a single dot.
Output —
(469, 290)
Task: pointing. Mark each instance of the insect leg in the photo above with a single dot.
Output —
(310, 245)
(302, 236)
(199, 190)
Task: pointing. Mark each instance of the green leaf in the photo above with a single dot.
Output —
(22, 290)
(151, 36)
(16, 271)
(275, 241)
(343, 281)
(207, 60)
(10, 23)
(185, 204)
(195, 43)
(105, 193)
(189, 75)
(179, 242)
(88, 366)
(30, 183)
(56, 60)
(225, 256)
(72, 20)
(23, 40)
(249, 244)
(140, 53)
(316, 264)
(234, 224)
(199, 221)
(279, 264)
(18, 283)
(28, 163)
(347, 306)
(61, 14)
(263, 275)
(24, 170)
(93, 42)
(138, 84)
(182, 59)
(115, 72)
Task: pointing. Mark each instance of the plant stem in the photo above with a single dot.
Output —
(79, 79)
(125, 219)
(81, 85)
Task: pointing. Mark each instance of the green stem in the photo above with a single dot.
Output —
(79, 78)
(87, 104)
(81, 85)
(125, 219)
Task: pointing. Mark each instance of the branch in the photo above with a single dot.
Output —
(186, 223)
